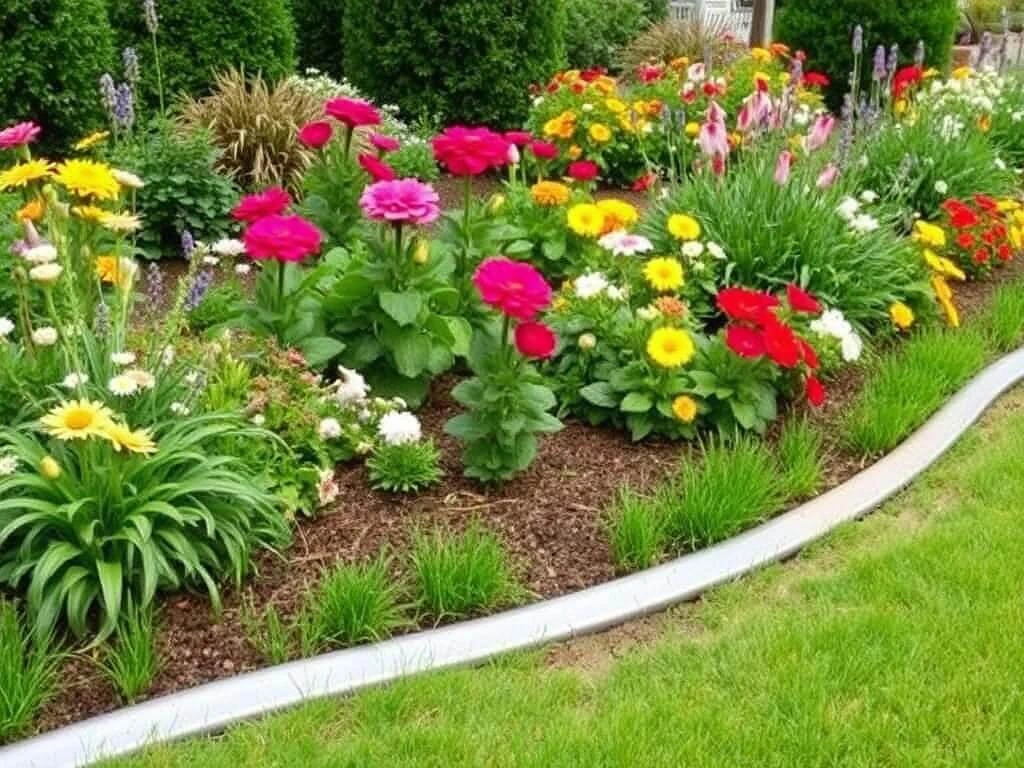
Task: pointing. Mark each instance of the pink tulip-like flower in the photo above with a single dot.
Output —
(403, 201)
(543, 150)
(783, 166)
(282, 238)
(270, 202)
(713, 139)
(18, 135)
(828, 176)
(352, 112)
(377, 168)
(384, 143)
(820, 132)
(316, 134)
(535, 340)
(745, 117)
(470, 151)
(515, 288)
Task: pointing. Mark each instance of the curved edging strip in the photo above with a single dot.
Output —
(217, 705)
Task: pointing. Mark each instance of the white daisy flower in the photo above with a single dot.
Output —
(123, 358)
(123, 385)
(716, 251)
(74, 380)
(228, 246)
(941, 187)
(329, 429)
(128, 179)
(41, 254)
(399, 428)
(848, 208)
(211, 261)
(45, 336)
(179, 409)
(864, 223)
(144, 379)
(615, 293)
(851, 346)
(589, 285)
(8, 465)
(6, 326)
(259, 419)
(242, 269)
(867, 196)
(46, 274)
(694, 249)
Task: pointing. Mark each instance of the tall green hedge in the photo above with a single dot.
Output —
(825, 34)
(200, 37)
(52, 53)
(596, 29)
(319, 26)
(463, 60)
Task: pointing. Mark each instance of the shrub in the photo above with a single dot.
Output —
(596, 29)
(199, 38)
(319, 26)
(53, 54)
(826, 37)
(467, 60)
(254, 125)
(28, 672)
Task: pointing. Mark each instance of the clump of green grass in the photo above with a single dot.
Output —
(636, 530)
(28, 673)
(736, 485)
(268, 632)
(131, 661)
(799, 458)
(457, 575)
(909, 385)
(1004, 321)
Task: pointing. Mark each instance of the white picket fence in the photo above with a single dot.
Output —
(737, 14)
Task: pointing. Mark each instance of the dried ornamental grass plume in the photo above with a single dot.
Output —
(282, 238)
(150, 15)
(18, 135)
(515, 288)
(535, 340)
(403, 201)
(470, 151)
(270, 202)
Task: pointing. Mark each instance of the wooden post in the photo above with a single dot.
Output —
(762, 21)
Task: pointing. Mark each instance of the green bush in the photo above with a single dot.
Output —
(53, 54)
(655, 10)
(319, 25)
(199, 38)
(470, 61)
(826, 36)
(596, 29)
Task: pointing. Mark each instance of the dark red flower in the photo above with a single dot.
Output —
(578, 88)
(961, 216)
(742, 304)
(801, 301)
(709, 88)
(981, 256)
(905, 78)
(965, 240)
(986, 202)
(815, 391)
(649, 73)
(543, 150)
(377, 168)
(583, 170)
(645, 182)
(553, 86)
(1004, 252)
(782, 345)
(989, 236)
(745, 342)
(592, 74)
(816, 79)
(535, 340)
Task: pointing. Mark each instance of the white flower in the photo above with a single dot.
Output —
(179, 409)
(123, 358)
(399, 428)
(46, 274)
(6, 326)
(242, 269)
(144, 379)
(167, 356)
(863, 223)
(192, 378)
(211, 261)
(589, 285)
(588, 107)
(941, 187)
(851, 346)
(1000, 164)
(716, 251)
(41, 254)
(648, 313)
(8, 465)
(868, 196)
(1017, 116)
(228, 246)
(351, 388)
(848, 208)
(329, 429)
(259, 419)
(694, 249)
(364, 415)
(128, 179)
(587, 341)
(832, 323)
(615, 293)
(123, 385)
(45, 336)
(399, 403)
(327, 488)
(622, 243)
(74, 380)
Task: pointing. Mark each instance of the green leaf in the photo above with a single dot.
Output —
(402, 307)
(601, 394)
(411, 351)
(320, 350)
(636, 402)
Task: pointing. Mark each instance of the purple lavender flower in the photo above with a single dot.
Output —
(131, 65)
(124, 107)
(101, 320)
(154, 285)
(198, 289)
(188, 245)
(108, 91)
(893, 61)
(878, 71)
(858, 40)
(152, 19)
(919, 54)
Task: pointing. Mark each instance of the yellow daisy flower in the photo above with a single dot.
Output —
(683, 227)
(901, 315)
(110, 269)
(76, 420)
(942, 265)
(86, 178)
(89, 212)
(945, 296)
(586, 220)
(600, 133)
(615, 105)
(549, 193)
(692, 129)
(92, 140)
(684, 408)
(132, 441)
(670, 347)
(121, 222)
(23, 174)
(618, 214)
(664, 274)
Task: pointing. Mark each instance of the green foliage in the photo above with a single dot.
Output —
(596, 29)
(414, 159)
(826, 37)
(470, 61)
(405, 467)
(53, 54)
(183, 189)
(28, 672)
(800, 461)
(1003, 323)
(739, 393)
(268, 632)
(332, 186)
(636, 530)
(9, 232)
(319, 27)
(131, 661)
(457, 575)
(199, 38)
(219, 306)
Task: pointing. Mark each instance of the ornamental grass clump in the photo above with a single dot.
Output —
(29, 666)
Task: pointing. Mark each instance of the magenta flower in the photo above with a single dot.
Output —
(282, 238)
(316, 134)
(470, 151)
(270, 202)
(18, 135)
(783, 166)
(515, 288)
(713, 137)
(377, 168)
(384, 143)
(352, 112)
(403, 201)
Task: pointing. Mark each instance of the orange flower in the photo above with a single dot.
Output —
(779, 49)
(670, 306)
(32, 210)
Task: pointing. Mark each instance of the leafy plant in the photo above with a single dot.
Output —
(131, 661)
(595, 30)
(1004, 320)
(29, 666)
(636, 530)
(319, 26)
(405, 467)
(219, 306)
(414, 159)
(268, 632)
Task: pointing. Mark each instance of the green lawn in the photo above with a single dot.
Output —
(897, 642)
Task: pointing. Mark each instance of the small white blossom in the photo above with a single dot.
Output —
(123, 385)
(615, 293)
(399, 428)
(868, 196)
(41, 254)
(228, 246)
(128, 179)
(211, 261)
(259, 419)
(45, 336)
(1000, 164)
(351, 388)
(941, 187)
(587, 341)
(329, 429)
(144, 379)
(590, 285)
(8, 465)
(851, 346)
(179, 409)
(242, 269)
(167, 355)
(6, 326)
(588, 107)
(74, 380)
(46, 274)
(622, 243)
(648, 313)
(192, 378)
(864, 223)
(123, 358)
(716, 251)
(694, 249)
(327, 488)
(848, 208)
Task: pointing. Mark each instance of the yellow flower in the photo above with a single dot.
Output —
(683, 227)
(559, 303)
(49, 468)
(664, 274)
(942, 265)
(900, 106)
(901, 315)
(110, 269)
(670, 347)
(1017, 237)
(929, 234)
(962, 73)
(945, 296)
(497, 203)
(23, 174)
(89, 212)
(121, 222)
(86, 178)
(984, 123)
(1008, 204)
(618, 214)
(600, 133)
(76, 420)
(604, 85)
(680, 62)
(132, 441)
(692, 129)
(615, 105)
(586, 219)
(549, 193)
(91, 140)
(929, 73)
(575, 152)
(760, 54)
(422, 252)
(33, 210)
(562, 126)
(685, 408)
(762, 78)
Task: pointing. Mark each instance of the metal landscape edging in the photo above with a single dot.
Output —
(215, 706)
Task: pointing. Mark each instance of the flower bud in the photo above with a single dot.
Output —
(422, 254)
(49, 468)
(587, 341)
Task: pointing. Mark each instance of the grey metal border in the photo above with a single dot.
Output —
(215, 706)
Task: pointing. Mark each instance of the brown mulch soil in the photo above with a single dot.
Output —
(550, 520)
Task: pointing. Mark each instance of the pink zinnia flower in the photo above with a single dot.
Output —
(316, 134)
(543, 150)
(282, 238)
(783, 166)
(377, 168)
(470, 151)
(535, 340)
(583, 170)
(515, 288)
(269, 202)
(352, 112)
(519, 138)
(405, 201)
(384, 143)
(18, 134)
(820, 132)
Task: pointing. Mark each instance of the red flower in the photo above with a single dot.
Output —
(808, 354)
(470, 151)
(989, 236)
(543, 150)
(384, 143)
(1004, 252)
(514, 287)
(535, 340)
(645, 182)
(815, 391)
(649, 73)
(377, 168)
(316, 134)
(553, 86)
(583, 170)
(745, 342)
(519, 138)
(709, 88)
(986, 202)
(965, 240)
(782, 345)
(816, 79)
(269, 202)
(741, 304)
(352, 112)
(283, 238)
(960, 216)
(905, 78)
(801, 301)
(592, 74)
(981, 256)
